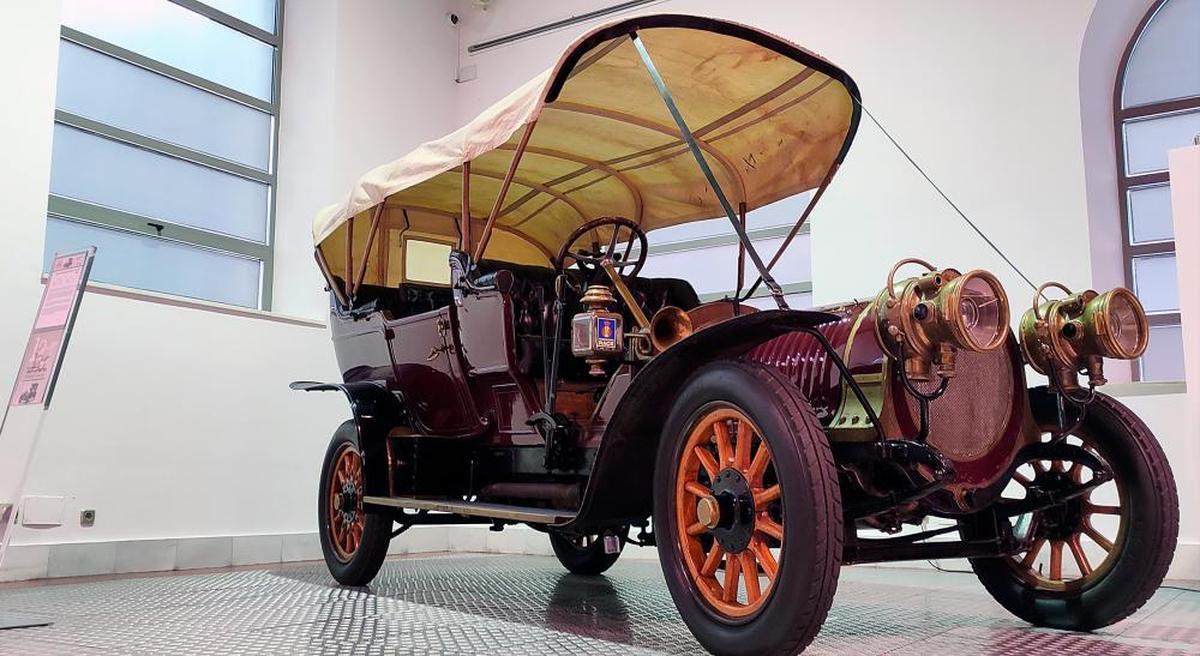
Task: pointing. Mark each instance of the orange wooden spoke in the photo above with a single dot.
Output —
(1096, 536)
(1093, 509)
(1038, 466)
(761, 499)
(712, 561)
(1081, 560)
(750, 573)
(765, 559)
(1076, 472)
(697, 489)
(741, 453)
(711, 587)
(346, 536)
(1056, 552)
(707, 461)
(768, 526)
(713, 432)
(758, 467)
(1021, 478)
(1057, 466)
(732, 573)
(1033, 552)
(724, 448)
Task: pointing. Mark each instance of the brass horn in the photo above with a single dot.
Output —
(669, 325)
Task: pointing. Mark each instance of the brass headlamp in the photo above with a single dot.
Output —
(1061, 338)
(925, 320)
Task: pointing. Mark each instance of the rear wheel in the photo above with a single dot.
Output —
(748, 507)
(353, 541)
(1093, 560)
(586, 555)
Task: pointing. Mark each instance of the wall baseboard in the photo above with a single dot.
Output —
(56, 560)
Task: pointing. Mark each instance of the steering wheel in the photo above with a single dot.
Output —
(588, 256)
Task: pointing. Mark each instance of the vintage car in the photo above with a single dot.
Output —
(506, 363)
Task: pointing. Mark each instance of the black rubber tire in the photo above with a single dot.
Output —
(587, 561)
(1132, 450)
(808, 570)
(366, 561)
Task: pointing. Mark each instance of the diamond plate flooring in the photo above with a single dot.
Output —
(500, 604)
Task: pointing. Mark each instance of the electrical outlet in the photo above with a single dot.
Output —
(87, 517)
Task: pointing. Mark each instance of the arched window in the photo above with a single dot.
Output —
(1157, 108)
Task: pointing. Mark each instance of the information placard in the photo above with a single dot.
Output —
(38, 373)
(51, 329)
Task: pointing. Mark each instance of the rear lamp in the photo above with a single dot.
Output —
(924, 321)
(1064, 337)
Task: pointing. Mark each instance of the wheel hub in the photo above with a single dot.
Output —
(1062, 521)
(348, 501)
(733, 524)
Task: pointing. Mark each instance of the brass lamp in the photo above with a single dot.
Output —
(925, 320)
(1064, 337)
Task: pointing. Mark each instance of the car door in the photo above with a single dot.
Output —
(425, 356)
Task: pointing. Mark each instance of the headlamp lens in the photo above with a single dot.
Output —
(1124, 324)
(982, 312)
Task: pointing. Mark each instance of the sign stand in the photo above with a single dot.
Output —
(36, 379)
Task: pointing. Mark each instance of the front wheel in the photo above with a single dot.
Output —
(1096, 559)
(353, 541)
(748, 511)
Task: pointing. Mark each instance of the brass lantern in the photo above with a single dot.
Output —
(1064, 337)
(923, 321)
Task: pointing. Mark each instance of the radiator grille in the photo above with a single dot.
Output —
(970, 418)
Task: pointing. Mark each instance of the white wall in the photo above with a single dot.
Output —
(175, 423)
(364, 81)
(28, 61)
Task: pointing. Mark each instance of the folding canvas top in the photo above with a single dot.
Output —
(771, 119)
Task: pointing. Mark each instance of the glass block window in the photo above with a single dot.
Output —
(1157, 109)
(166, 120)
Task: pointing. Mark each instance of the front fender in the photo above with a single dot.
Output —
(376, 412)
(620, 487)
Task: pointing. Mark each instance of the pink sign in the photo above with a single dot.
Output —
(52, 328)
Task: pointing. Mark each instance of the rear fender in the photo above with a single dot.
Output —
(620, 488)
(376, 412)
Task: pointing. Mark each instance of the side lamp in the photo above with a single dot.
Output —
(923, 321)
(1063, 338)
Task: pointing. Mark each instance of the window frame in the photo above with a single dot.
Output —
(1127, 183)
(69, 209)
(428, 238)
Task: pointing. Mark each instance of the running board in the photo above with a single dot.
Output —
(477, 509)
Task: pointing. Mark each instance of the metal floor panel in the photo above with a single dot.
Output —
(491, 604)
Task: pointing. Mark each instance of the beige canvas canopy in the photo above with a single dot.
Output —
(593, 137)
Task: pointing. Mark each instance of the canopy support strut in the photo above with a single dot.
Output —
(508, 178)
(796, 228)
(741, 262)
(764, 272)
(465, 246)
(362, 266)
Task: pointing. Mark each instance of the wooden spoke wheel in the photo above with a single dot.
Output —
(1093, 560)
(729, 516)
(1074, 543)
(748, 511)
(586, 555)
(354, 537)
(345, 502)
